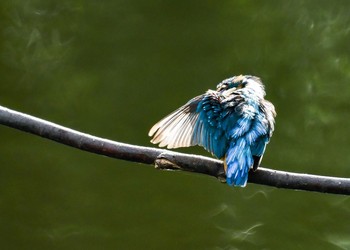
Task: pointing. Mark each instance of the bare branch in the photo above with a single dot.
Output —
(165, 159)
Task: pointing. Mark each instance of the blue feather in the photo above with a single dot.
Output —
(234, 122)
(239, 160)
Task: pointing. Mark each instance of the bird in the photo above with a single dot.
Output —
(234, 123)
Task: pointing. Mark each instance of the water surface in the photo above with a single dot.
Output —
(114, 68)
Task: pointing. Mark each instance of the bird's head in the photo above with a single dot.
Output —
(251, 83)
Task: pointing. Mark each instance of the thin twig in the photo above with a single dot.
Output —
(165, 159)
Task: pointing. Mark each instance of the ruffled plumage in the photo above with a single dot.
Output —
(234, 122)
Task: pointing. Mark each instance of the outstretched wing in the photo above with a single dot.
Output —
(198, 122)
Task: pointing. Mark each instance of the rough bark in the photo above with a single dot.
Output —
(165, 159)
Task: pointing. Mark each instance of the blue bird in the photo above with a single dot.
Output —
(233, 122)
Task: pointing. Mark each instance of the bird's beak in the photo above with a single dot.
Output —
(221, 87)
(229, 91)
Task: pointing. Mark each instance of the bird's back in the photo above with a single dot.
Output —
(234, 123)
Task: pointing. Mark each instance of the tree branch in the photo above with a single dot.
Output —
(165, 159)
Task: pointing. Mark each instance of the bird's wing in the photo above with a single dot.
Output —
(198, 122)
(258, 150)
(262, 129)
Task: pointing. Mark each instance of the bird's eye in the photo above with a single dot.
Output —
(240, 84)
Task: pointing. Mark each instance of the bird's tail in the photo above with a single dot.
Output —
(238, 160)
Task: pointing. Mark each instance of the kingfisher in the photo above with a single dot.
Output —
(234, 123)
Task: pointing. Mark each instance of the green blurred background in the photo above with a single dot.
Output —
(114, 68)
